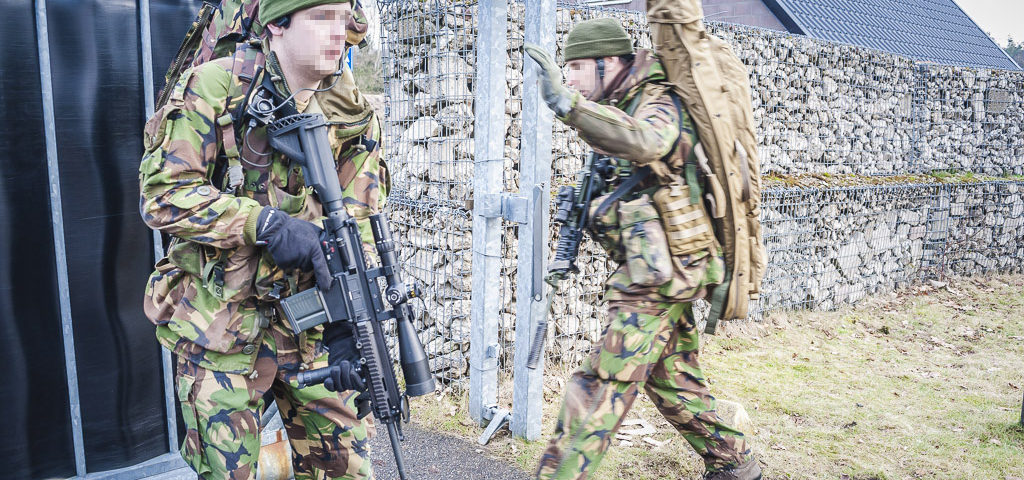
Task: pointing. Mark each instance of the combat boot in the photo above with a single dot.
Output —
(747, 471)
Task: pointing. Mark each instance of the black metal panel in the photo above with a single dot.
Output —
(37, 424)
(170, 20)
(95, 55)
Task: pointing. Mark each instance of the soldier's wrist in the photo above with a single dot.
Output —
(249, 231)
(563, 111)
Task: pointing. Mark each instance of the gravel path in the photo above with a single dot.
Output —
(433, 456)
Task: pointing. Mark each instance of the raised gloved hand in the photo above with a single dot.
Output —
(292, 243)
(549, 77)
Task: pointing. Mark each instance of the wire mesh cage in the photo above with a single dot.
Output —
(985, 228)
(972, 120)
(819, 107)
(834, 246)
(428, 57)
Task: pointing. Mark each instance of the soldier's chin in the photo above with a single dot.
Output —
(327, 69)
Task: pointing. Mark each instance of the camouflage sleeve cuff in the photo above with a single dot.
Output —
(249, 231)
(576, 96)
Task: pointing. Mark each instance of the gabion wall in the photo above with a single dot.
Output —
(820, 108)
(986, 228)
(428, 60)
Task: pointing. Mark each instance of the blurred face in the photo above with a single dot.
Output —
(582, 75)
(314, 41)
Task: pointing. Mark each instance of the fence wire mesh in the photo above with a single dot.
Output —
(972, 120)
(819, 107)
(428, 53)
(828, 247)
(985, 228)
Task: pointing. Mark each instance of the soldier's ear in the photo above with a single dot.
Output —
(277, 27)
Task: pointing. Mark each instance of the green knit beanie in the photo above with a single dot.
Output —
(601, 37)
(271, 10)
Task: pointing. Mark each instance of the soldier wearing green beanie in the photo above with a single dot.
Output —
(245, 233)
(619, 101)
(273, 10)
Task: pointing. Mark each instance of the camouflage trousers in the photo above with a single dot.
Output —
(222, 416)
(653, 346)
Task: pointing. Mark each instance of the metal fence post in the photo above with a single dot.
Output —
(488, 165)
(60, 252)
(166, 360)
(535, 183)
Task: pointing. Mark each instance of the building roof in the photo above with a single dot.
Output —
(927, 30)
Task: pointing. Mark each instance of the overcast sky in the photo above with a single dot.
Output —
(1000, 18)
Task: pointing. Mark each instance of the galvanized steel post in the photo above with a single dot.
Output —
(535, 183)
(57, 219)
(488, 164)
(167, 364)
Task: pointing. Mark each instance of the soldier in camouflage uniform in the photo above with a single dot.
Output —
(622, 107)
(243, 239)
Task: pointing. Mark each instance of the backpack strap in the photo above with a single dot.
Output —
(690, 165)
(186, 52)
(717, 293)
(243, 66)
(624, 188)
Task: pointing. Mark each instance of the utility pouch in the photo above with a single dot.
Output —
(644, 242)
(687, 227)
(604, 226)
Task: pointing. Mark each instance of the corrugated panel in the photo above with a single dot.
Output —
(928, 30)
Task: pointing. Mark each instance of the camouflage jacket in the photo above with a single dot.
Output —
(638, 123)
(211, 295)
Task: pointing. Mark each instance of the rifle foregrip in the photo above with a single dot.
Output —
(313, 377)
(537, 346)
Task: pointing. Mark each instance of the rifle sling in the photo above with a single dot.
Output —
(623, 189)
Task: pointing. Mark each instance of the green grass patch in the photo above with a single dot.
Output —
(924, 384)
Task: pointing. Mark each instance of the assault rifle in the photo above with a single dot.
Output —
(573, 215)
(354, 298)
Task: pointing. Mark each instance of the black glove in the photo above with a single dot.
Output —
(293, 243)
(346, 376)
(346, 369)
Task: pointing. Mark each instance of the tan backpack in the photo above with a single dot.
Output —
(715, 87)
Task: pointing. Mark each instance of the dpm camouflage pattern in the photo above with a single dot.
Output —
(646, 345)
(640, 126)
(222, 414)
(204, 295)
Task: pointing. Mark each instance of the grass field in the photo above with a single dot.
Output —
(926, 383)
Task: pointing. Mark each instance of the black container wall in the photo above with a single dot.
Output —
(37, 426)
(169, 21)
(98, 100)
(99, 110)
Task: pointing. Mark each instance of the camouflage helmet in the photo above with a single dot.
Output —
(597, 38)
(271, 10)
